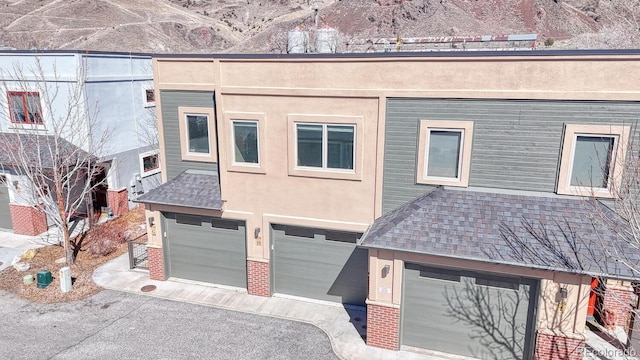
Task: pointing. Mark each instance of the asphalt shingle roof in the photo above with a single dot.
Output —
(546, 232)
(39, 150)
(192, 188)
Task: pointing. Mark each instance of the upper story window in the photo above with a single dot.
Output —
(325, 146)
(149, 163)
(25, 107)
(198, 133)
(245, 142)
(444, 152)
(149, 97)
(246, 147)
(592, 157)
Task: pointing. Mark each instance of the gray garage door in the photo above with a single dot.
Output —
(467, 313)
(206, 249)
(5, 214)
(319, 264)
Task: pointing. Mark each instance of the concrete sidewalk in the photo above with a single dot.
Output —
(12, 245)
(340, 324)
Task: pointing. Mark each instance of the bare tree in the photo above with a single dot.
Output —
(52, 144)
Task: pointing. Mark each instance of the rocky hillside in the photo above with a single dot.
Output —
(246, 26)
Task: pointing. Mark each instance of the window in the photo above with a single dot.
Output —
(246, 146)
(24, 107)
(186, 219)
(148, 97)
(444, 152)
(198, 134)
(325, 146)
(591, 159)
(245, 142)
(149, 163)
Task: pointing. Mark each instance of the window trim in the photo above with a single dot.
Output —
(23, 94)
(571, 133)
(466, 142)
(184, 134)
(329, 173)
(260, 118)
(153, 171)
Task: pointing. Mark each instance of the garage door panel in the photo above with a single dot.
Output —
(323, 251)
(214, 254)
(318, 268)
(466, 317)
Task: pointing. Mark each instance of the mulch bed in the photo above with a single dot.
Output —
(81, 272)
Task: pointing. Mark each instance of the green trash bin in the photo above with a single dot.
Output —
(44, 278)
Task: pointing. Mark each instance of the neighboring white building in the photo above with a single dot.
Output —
(112, 92)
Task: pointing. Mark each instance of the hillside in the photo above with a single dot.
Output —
(247, 26)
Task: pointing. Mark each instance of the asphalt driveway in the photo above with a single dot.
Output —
(116, 325)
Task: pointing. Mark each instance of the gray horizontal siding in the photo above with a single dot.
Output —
(516, 143)
(170, 101)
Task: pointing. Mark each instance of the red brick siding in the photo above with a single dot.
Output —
(258, 278)
(383, 327)
(618, 300)
(118, 201)
(27, 220)
(553, 347)
(156, 263)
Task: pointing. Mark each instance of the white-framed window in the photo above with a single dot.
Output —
(197, 134)
(325, 146)
(246, 142)
(148, 97)
(592, 158)
(444, 152)
(444, 155)
(149, 163)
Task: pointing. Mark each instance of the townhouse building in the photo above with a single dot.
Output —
(112, 97)
(445, 192)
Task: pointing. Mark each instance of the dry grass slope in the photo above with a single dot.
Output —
(205, 26)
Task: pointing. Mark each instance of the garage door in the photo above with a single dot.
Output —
(319, 264)
(206, 249)
(466, 313)
(5, 214)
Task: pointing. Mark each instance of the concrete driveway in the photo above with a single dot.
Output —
(116, 325)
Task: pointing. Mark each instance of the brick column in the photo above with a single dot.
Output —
(617, 297)
(118, 201)
(258, 278)
(557, 347)
(383, 326)
(27, 220)
(155, 257)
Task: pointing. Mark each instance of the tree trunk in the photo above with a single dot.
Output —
(68, 251)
